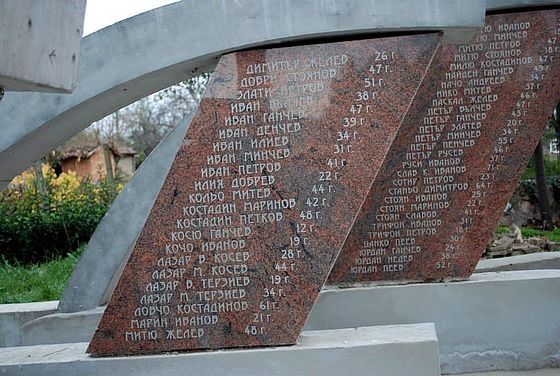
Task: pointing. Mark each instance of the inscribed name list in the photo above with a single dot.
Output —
(458, 155)
(261, 195)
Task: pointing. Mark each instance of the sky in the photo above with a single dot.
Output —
(102, 13)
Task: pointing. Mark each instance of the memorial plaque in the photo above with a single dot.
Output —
(458, 154)
(261, 195)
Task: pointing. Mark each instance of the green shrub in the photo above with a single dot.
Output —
(38, 225)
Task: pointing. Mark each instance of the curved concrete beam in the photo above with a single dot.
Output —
(151, 51)
(495, 5)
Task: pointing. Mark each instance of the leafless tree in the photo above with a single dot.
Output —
(144, 123)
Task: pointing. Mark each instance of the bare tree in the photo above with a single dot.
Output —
(107, 130)
(144, 123)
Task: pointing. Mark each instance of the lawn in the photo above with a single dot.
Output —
(528, 232)
(35, 283)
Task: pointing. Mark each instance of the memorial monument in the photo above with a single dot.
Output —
(458, 155)
(262, 193)
(168, 297)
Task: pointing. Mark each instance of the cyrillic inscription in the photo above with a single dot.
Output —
(460, 150)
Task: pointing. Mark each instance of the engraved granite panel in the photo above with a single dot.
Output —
(458, 155)
(261, 195)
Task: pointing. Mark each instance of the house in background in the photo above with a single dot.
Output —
(89, 157)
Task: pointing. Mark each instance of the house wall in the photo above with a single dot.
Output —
(94, 166)
(126, 165)
(79, 166)
(98, 170)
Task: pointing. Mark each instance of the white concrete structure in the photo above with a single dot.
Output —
(40, 44)
(495, 321)
(533, 261)
(402, 350)
(59, 328)
(153, 50)
(14, 316)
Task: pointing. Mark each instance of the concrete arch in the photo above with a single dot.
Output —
(151, 51)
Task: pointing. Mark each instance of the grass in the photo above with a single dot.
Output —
(502, 230)
(528, 232)
(551, 168)
(553, 235)
(35, 283)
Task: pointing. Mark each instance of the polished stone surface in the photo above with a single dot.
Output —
(458, 155)
(262, 193)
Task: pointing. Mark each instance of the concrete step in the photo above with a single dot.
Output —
(399, 350)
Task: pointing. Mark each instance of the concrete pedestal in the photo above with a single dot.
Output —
(494, 321)
(401, 350)
(14, 316)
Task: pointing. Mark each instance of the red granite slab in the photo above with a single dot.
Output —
(261, 195)
(458, 155)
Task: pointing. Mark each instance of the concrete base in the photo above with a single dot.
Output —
(533, 261)
(30, 324)
(496, 5)
(14, 316)
(402, 350)
(495, 321)
(61, 328)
